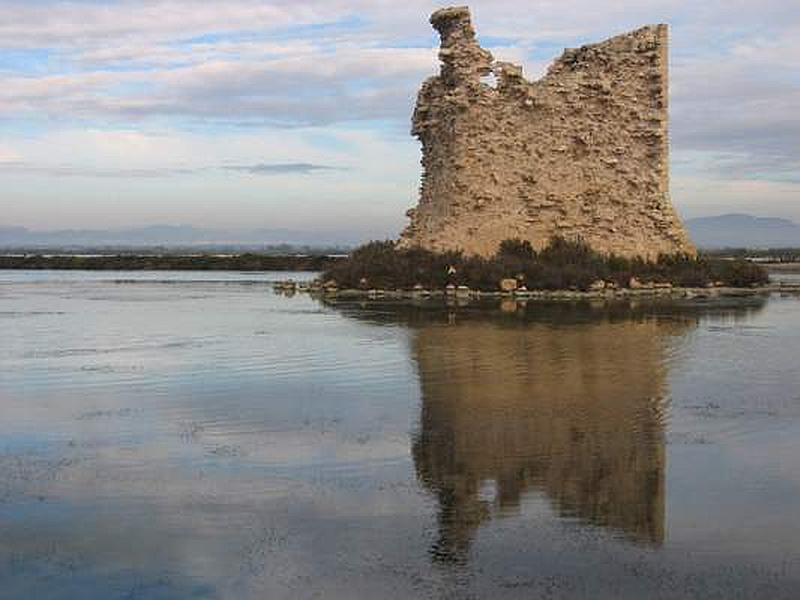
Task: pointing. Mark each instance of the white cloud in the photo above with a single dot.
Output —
(7, 155)
(698, 196)
(119, 178)
(74, 24)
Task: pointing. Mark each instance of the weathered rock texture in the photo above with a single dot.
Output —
(581, 153)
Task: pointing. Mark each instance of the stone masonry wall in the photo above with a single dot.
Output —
(581, 153)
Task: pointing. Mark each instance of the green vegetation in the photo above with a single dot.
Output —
(206, 262)
(562, 264)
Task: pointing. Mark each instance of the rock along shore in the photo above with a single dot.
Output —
(462, 292)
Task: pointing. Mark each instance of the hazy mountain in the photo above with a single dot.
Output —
(169, 235)
(722, 231)
(743, 231)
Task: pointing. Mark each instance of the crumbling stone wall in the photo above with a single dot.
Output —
(581, 153)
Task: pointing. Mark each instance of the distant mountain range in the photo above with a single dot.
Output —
(723, 231)
(169, 236)
(743, 231)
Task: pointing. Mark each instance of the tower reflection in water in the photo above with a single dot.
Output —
(573, 411)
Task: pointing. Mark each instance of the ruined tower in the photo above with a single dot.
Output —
(581, 153)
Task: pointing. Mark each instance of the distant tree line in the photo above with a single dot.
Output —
(778, 255)
(239, 262)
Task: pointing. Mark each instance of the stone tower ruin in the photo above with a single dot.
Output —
(581, 153)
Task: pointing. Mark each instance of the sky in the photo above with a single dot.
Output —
(296, 113)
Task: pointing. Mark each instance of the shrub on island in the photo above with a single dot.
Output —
(562, 265)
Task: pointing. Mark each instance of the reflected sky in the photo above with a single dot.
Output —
(210, 439)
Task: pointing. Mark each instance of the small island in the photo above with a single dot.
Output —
(557, 188)
(563, 270)
(561, 265)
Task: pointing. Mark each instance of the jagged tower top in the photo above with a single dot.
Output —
(463, 59)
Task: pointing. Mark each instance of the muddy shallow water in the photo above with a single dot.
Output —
(197, 436)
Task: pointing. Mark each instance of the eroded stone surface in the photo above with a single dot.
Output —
(581, 153)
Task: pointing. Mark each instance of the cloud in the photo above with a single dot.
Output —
(280, 169)
(8, 156)
(79, 171)
(309, 87)
(53, 24)
(314, 62)
(741, 109)
(698, 196)
(160, 172)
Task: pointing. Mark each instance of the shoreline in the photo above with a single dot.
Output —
(787, 267)
(463, 293)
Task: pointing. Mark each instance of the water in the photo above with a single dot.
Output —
(197, 436)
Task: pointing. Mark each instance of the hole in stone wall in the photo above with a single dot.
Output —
(490, 80)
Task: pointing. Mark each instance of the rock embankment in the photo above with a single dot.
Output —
(610, 292)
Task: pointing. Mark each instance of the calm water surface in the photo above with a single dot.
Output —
(190, 435)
